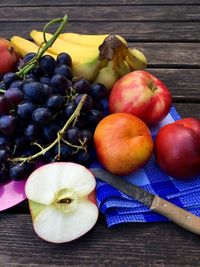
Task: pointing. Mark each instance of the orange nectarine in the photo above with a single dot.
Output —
(123, 143)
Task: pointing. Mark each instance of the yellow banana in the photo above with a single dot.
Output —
(123, 68)
(78, 53)
(85, 59)
(138, 61)
(104, 64)
(107, 75)
(93, 40)
(24, 46)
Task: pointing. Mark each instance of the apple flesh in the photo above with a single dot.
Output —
(61, 200)
(141, 94)
(177, 148)
(123, 143)
(9, 56)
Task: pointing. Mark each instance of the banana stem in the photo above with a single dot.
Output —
(59, 136)
(28, 67)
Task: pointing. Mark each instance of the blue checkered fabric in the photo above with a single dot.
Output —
(119, 208)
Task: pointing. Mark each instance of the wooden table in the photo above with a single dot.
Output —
(168, 32)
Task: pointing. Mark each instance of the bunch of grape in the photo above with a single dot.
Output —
(35, 108)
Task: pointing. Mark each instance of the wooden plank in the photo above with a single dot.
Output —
(173, 54)
(96, 2)
(179, 81)
(125, 245)
(132, 31)
(103, 13)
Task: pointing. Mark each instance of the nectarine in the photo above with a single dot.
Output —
(123, 143)
(177, 148)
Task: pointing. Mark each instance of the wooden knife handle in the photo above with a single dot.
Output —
(178, 215)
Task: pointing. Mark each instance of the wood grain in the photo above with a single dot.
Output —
(132, 31)
(177, 215)
(125, 245)
(96, 2)
(103, 13)
(179, 81)
(170, 54)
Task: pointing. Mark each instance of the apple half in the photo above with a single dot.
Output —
(62, 202)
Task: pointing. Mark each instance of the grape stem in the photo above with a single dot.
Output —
(74, 146)
(28, 67)
(2, 91)
(59, 134)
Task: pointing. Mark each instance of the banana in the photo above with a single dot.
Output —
(138, 60)
(93, 40)
(107, 75)
(24, 46)
(85, 59)
(78, 53)
(104, 64)
(123, 68)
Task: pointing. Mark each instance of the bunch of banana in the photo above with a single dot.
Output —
(97, 58)
(24, 46)
(87, 39)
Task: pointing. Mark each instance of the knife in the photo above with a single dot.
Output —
(178, 215)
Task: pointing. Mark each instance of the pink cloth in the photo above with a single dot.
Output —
(11, 194)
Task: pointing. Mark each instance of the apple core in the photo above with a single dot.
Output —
(66, 200)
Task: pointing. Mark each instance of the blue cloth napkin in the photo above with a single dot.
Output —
(120, 208)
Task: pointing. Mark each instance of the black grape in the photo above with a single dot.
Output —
(72, 135)
(9, 78)
(56, 103)
(17, 84)
(69, 109)
(64, 71)
(25, 110)
(3, 176)
(60, 84)
(41, 116)
(87, 104)
(49, 132)
(3, 155)
(82, 86)
(31, 132)
(86, 136)
(26, 59)
(82, 157)
(7, 124)
(98, 91)
(33, 91)
(64, 58)
(5, 105)
(18, 172)
(94, 117)
(14, 95)
(2, 85)
(65, 152)
(45, 80)
(47, 65)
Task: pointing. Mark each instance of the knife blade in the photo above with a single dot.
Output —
(181, 217)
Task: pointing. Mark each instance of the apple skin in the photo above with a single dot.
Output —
(177, 148)
(141, 94)
(123, 143)
(9, 56)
